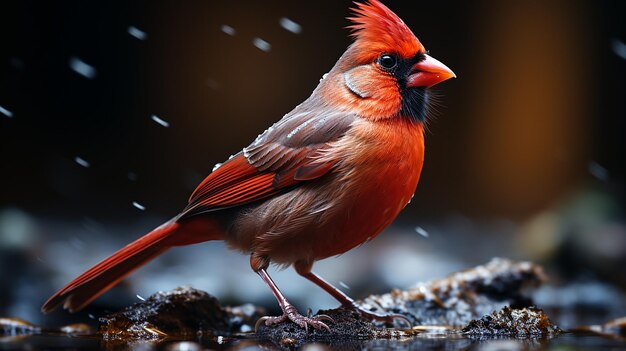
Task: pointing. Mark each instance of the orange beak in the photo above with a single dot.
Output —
(428, 72)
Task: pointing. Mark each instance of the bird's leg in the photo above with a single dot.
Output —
(304, 269)
(259, 265)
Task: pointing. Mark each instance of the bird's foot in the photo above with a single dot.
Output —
(386, 318)
(290, 313)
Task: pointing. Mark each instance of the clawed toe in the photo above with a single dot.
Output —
(387, 318)
(291, 314)
(314, 322)
(325, 317)
(395, 316)
(269, 320)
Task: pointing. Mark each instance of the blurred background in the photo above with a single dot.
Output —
(112, 112)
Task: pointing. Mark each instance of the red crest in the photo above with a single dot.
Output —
(378, 30)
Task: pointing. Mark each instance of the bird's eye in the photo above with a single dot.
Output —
(387, 61)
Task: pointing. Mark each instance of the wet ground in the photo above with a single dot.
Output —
(435, 339)
(450, 313)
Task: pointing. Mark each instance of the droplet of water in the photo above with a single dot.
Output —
(598, 171)
(81, 67)
(81, 161)
(262, 44)
(137, 33)
(421, 231)
(619, 48)
(140, 297)
(290, 25)
(160, 121)
(299, 128)
(228, 30)
(6, 112)
(139, 206)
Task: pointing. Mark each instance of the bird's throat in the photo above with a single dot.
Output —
(415, 104)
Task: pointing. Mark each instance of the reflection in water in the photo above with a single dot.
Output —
(453, 342)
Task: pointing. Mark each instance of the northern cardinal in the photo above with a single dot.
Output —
(327, 177)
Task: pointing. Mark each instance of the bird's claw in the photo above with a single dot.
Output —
(324, 317)
(309, 313)
(290, 313)
(260, 321)
(387, 318)
(395, 316)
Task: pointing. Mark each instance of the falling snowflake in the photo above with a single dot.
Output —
(262, 44)
(290, 25)
(421, 231)
(228, 30)
(81, 161)
(160, 121)
(137, 33)
(81, 67)
(6, 112)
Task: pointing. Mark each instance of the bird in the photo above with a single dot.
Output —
(327, 177)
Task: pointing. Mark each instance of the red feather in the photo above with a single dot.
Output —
(89, 285)
(284, 156)
(101, 277)
(377, 29)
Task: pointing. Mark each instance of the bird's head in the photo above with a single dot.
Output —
(386, 72)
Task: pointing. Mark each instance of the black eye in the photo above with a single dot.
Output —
(387, 61)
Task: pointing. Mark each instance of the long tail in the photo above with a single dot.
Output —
(104, 275)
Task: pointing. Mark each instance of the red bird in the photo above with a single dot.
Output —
(329, 176)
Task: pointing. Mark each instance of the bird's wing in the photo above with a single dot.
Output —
(294, 150)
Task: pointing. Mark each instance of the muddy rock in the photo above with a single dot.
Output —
(528, 322)
(182, 312)
(348, 330)
(463, 296)
(452, 302)
(347, 324)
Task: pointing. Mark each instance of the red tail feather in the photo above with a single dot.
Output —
(101, 277)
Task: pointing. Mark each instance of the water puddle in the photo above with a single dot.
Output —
(435, 339)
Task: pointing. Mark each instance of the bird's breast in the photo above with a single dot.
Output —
(376, 175)
(377, 178)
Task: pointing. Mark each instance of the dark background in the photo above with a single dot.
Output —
(525, 157)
